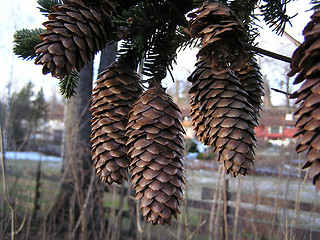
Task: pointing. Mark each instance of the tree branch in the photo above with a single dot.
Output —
(292, 39)
(280, 91)
(85, 205)
(248, 46)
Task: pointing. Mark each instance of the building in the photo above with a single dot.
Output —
(276, 126)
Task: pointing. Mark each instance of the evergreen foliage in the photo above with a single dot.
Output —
(27, 110)
(274, 13)
(154, 31)
(24, 42)
(150, 32)
(68, 85)
(316, 4)
(46, 6)
(245, 11)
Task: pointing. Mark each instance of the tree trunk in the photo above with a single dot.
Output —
(108, 56)
(267, 94)
(77, 211)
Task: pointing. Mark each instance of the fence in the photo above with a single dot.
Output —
(224, 214)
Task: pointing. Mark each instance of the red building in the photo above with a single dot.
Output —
(276, 125)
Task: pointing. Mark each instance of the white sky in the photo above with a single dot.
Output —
(15, 15)
(275, 70)
(18, 14)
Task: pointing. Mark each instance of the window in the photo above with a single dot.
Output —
(275, 129)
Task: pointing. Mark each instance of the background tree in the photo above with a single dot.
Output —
(80, 197)
(27, 112)
(179, 93)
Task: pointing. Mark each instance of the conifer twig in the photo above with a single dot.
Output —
(292, 39)
(280, 91)
(280, 57)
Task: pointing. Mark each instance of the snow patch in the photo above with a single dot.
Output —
(34, 156)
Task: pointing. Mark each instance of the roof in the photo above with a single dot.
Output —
(275, 117)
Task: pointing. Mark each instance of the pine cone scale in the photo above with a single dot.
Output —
(221, 34)
(156, 168)
(109, 124)
(305, 62)
(86, 30)
(223, 117)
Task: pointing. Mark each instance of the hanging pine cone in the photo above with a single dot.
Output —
(252, 83)
(156, 150)
(223, 117)
(116, 90)
(305, 62)
(75, 32)
(221, 34)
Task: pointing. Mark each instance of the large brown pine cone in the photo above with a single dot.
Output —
(251, 80)
(75, 32)
(156, 150)
(116, 90)
(223, 117)
(221, 34)
(305, 62)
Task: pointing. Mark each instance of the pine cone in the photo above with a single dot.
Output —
(252, 83)
(75, 32)
(156, 150)
(221, 34)
(305, 62)
(223, 117)
(116, 90)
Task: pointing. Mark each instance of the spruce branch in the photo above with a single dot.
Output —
(46, 6)
(274, 14)
(186, 41)
(244, 10)
(150, 33)
(24, 42)
(292, 39)
(163, 53)
(281, 91)
(316, 6)
(68, 85)
(255, 49)
(136, 29)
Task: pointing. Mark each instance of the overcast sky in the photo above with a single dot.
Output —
(275, 70)
(18, 14)
(14, 15)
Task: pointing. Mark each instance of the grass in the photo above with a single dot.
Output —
(108, 201)
(264, 186)
(21, 177)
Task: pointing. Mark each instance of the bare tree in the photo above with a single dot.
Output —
(70, 204)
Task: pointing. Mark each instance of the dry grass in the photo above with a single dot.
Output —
(254, 220)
